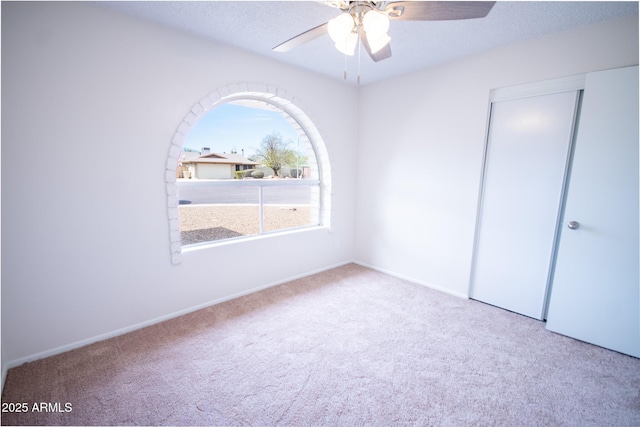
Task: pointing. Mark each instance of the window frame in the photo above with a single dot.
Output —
(293, 113)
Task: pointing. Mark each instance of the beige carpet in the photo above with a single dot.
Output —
(346, 347)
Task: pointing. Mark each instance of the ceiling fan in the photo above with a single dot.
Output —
(368, 21)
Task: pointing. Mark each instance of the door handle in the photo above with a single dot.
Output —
(573, 225)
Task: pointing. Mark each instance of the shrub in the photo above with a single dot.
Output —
(239, 174)
(257, 174)
(295, 173)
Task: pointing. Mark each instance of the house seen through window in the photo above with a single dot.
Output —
(245, 170)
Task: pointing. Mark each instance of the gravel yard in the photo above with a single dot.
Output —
(206, 223)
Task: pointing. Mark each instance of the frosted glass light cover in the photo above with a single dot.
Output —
(340, 27)
(375, 24)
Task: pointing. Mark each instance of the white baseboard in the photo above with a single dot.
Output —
(413, 279)
(68, 347)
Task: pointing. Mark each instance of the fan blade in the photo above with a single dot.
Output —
(303, 38)
(383, 53)
(438, 10)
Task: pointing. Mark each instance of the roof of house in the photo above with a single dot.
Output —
(215, 158)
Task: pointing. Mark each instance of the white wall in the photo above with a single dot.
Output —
(421, 143)
(90, 100)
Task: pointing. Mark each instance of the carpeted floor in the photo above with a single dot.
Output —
(345, 347)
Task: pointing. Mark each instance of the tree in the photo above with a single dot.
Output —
(274, 152)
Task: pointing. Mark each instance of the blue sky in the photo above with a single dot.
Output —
(231, 126)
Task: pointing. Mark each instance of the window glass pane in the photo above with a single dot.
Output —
(287, 206)
(206, 195)
(216, 213)
(217, 201)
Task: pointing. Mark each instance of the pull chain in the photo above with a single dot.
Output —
(345, 66)
(359, 52)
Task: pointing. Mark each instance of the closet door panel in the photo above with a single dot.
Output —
(595, 295)
(527, 149)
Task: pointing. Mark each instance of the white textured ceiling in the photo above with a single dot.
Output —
(258, 26)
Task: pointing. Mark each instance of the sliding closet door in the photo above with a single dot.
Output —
(526, 159)
(596, 293)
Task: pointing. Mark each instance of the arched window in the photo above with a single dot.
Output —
(213, 196)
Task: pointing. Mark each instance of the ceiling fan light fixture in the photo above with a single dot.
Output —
(378, 43)
(340, 27)
(348, 45)
(375, 23)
